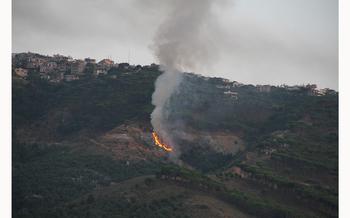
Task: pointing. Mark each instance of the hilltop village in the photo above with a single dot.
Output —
(59, 68)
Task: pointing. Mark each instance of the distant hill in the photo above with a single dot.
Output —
(84, 149)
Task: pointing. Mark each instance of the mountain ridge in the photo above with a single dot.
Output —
(269, 151)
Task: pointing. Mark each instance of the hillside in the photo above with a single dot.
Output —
(83, 148)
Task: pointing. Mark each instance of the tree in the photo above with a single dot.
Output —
(90, 199)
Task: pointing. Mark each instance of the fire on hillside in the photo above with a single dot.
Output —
(160, 143)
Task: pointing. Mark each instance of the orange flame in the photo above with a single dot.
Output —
(161, 144)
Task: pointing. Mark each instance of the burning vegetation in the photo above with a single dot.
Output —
(160, 143)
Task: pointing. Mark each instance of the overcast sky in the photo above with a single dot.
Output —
(252, 41)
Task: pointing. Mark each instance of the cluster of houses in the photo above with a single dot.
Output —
(229, 88)
(59, 68)
(309, 89)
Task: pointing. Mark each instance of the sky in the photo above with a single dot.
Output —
(250, 41)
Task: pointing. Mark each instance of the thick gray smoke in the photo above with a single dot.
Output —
(179, 45)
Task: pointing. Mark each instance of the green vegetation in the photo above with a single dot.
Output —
(45, 177)
(118, 206)
(192, 178)
(289, 167)
(205, 159)
(91, 104)
(318, 194)
(252, 204)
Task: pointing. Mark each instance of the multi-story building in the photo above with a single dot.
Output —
(106, 64)
(90, 61)
(62, 66)
(101, 71)
(263, 88)
(35, 62)
(77, 67)
(48, 67)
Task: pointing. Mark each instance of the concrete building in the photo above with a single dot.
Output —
(35, 62)
(101, 71)
(263, 88)
(236, 84)
(90, 61)
(48, 67)
(63, 67)
(233, 95)
(106, 63)
(77, 67)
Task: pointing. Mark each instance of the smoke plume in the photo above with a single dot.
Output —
(181, 44)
